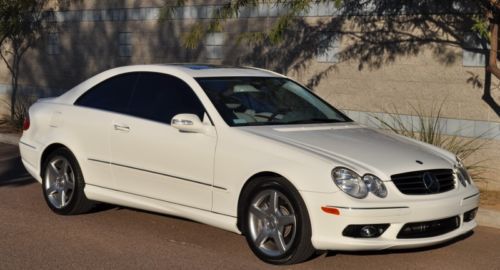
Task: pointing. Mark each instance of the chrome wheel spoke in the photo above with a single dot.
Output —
(59, 182)
(286, 220)
(67, 187)
(71, 180)
(53, 169)
(64, 166)
(51, 190)
(69, 183)
(63, 195)
(262, 238)
(56, 199)
(279, 240)
(259, 213)
(66, 172)
(275, 202)
(272, 222)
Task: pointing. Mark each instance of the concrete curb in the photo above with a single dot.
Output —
(485, 217)
(10, 138)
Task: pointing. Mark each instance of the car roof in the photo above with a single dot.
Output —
(199, 70)
(182, 70)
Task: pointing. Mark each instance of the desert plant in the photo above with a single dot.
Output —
(14, 123)
(427, 125)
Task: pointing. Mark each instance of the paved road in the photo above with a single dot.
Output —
(31, 236)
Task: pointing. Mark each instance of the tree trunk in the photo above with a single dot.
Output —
(492, 66)
(14, 85)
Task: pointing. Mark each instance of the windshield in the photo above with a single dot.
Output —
(249, 101)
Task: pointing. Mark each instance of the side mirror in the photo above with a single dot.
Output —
(187, 122)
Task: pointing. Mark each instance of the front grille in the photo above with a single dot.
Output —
(429, 228)
(413, 183)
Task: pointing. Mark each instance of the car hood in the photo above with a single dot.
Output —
(364, 149)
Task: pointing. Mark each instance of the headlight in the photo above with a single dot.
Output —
(349, 182)
(375, 185)
(462, 174)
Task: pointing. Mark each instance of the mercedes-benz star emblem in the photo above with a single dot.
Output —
(431, 183)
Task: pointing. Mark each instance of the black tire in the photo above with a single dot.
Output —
(74, 199)
(300, 247)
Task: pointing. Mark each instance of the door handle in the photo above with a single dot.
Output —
(122, 127)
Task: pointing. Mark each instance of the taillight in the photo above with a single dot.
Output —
(26, 122)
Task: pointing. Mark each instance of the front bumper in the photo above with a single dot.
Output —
(327, 228)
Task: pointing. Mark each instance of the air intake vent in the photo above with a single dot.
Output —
(429, 228)
(424, 182)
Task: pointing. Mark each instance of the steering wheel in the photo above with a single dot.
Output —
(273, 116)
(230, 100)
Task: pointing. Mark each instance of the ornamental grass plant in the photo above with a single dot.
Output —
(428, 125)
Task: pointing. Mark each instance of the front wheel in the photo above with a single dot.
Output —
(63, 184)
(276, 223)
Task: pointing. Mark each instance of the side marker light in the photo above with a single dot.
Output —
(331, 210)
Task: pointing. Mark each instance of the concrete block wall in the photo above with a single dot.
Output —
(89, 40)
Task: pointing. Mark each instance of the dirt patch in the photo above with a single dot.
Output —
(6, 128)
(490, 199)
(6, 125)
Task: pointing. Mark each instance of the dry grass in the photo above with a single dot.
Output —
(14, 124)
(490, 199)
(428, 127)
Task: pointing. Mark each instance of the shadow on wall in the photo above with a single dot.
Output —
(394, 29)
(70, 52)
(487, 96)
(373, 33)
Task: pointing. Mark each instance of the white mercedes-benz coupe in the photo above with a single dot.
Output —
(246, 150)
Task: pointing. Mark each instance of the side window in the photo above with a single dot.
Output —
(112, 95)
(160, 97)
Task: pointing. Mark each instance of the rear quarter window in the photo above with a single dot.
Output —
(113, 94)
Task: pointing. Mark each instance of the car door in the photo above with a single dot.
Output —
(93, 114)
(150, 158)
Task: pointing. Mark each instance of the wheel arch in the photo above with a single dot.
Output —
(47, 151)
(256, 177)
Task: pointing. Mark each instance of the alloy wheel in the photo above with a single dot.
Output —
(59, 182)
(272, 222)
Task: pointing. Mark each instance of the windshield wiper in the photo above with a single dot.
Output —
(314, 120)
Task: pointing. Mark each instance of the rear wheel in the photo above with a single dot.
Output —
(63, 184)
(275, 222)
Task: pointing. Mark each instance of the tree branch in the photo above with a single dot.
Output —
(7, 63)
(493, 66)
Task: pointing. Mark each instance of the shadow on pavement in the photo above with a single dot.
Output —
(12, 171)
(154, 213)
(101, 207)
(396, 251)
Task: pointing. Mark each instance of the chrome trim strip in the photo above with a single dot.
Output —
(369, 208)
(29, 145)
(474, 195)
(223, 188)
(180, 204)
(158, 173)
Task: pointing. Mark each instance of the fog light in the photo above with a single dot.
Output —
(365, 230)
(368, 231)
(470, 215)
